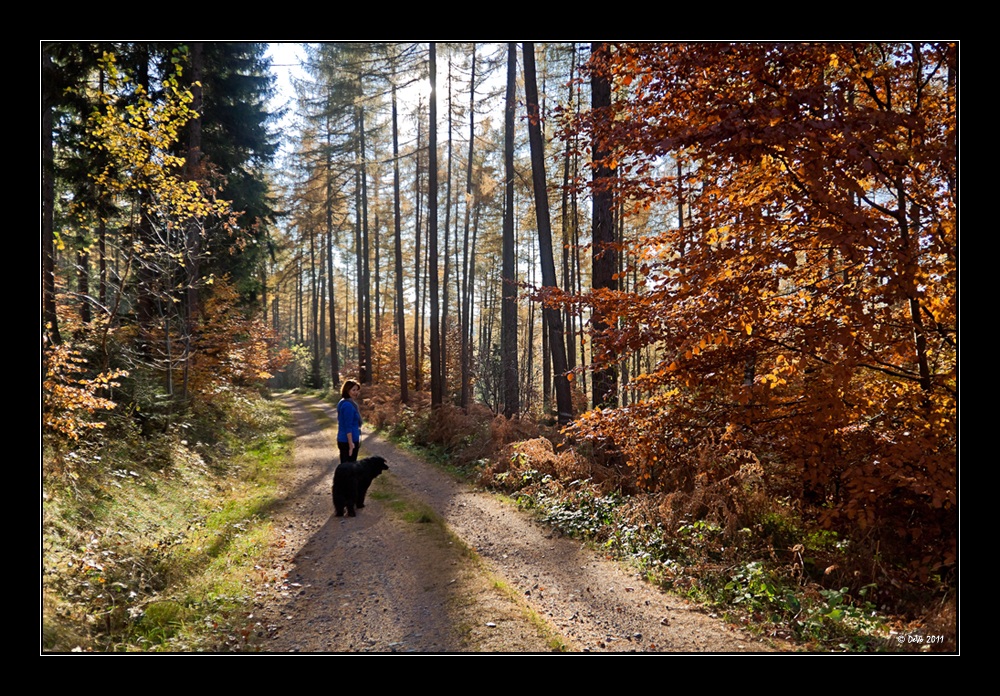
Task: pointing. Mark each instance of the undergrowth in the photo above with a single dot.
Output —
(726, 543)
(148, 540)
(747, 577)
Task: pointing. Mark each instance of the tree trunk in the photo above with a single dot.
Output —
(418, 310)
(437, 386)
(466, 289)
(470, 289)
(447, 256)
(564, 399)
(577, 282)
(404, 395)
(364, 287)
(83, 283)
(321, 269)
(568, 246)
(49, 321)
(360, 233)
(192, 166)
(316, 379)
(377, 248)
(604, 254)
(298, 302)
(508, 307)
(334, 348)
(146, 301)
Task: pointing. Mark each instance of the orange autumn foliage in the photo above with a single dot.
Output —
(805, 310)
(69, 398)
(232, 348)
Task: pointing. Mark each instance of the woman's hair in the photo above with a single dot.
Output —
(345, 391)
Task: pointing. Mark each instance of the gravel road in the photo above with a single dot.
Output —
(434, 566)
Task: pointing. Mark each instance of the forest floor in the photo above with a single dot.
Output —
(431, 565)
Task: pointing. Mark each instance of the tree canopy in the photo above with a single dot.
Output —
(803, 305)
(155, 182)
(753, 277)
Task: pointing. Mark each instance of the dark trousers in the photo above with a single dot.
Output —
(343, 452)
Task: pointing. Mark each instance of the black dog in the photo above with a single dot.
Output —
(351, 481)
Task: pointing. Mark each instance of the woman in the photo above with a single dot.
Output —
(349, 422)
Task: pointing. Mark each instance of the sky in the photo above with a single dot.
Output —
(286, 62)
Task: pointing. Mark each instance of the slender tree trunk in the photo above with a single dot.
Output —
(365, 284)
(466, 338)
(418, 310)
(404, 395)
(447, 238)
(315, 377)
(334, 348)
(299, 329)
(378, 273)
(605, 255)
(83, 284)
(564, 398)
(358, 265)
(952, 81)
(360, 232)
(49, 320)
(192, 165)
(146, 302)
(546, 368)
(347, 305)
(508, 307)
(102, 262)
(916, 316)
(102, 292)
(567, 242)
(577, 286)
(528, 354)
(105, 206)
(624, 285)
(321, 269)
(437, 385)
(471, 284)
(680, 207)
(487, 317)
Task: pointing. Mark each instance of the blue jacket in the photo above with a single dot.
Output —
(348, 421)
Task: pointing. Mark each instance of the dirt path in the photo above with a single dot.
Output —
(392, 580)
